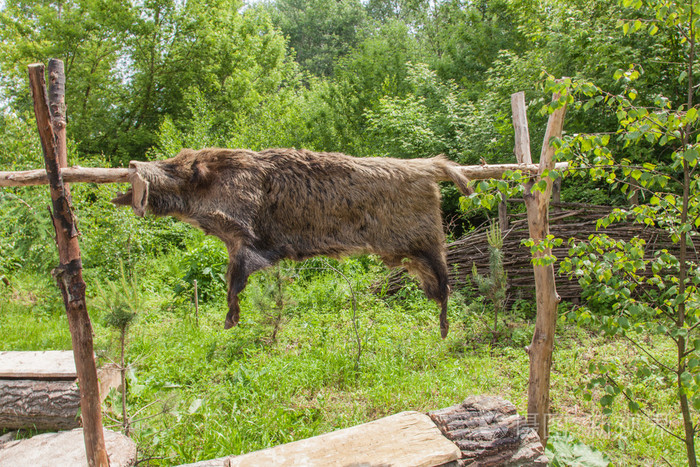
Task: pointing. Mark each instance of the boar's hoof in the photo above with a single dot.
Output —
(444, 326)
(444, 330)
(229, 323)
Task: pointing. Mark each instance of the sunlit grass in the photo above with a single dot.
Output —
(214, 392)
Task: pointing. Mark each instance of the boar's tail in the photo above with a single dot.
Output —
(449, 172)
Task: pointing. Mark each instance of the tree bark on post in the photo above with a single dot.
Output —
(537, 204)
(51, 123)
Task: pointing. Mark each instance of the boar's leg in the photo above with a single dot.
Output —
(431, 268)
(236, 283)
(242, 262)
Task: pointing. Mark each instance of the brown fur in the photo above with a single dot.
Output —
(286, 203)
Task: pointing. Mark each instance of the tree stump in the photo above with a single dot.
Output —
(489, 432)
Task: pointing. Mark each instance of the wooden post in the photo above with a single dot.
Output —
(51, 123)
(196, 303)
(556, 191)
(503, 214)
(537, 204)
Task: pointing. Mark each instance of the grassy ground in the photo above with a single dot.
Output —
(199, 392)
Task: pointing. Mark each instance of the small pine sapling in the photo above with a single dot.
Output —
(493, 286)
(120, 301)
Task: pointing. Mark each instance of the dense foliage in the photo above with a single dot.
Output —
(401, 78)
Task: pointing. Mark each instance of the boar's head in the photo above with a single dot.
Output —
(164, 187)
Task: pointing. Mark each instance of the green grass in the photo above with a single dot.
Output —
(202, 392)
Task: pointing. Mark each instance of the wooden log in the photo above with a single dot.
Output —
(39, 404)
(51, 124)
(407, 438)
(39, 390)
(483, 172)
(489, 432)
(121, 175)
(483, 431)
(70, 175)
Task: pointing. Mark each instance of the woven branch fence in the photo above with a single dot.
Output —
(566, 220)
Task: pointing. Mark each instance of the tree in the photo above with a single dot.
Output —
(88, 36)
(434, 117)
(120, 303)
(376, 67)
(129, 66)
(320, 31)
(651, 299)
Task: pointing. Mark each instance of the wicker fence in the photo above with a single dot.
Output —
(567, 220)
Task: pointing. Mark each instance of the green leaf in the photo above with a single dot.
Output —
(691, 155)
(623, 322)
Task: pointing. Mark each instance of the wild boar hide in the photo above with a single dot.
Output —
(286, 203)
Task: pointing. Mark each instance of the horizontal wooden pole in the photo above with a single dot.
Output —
(70, 175)
(107, 175)
(483, 172)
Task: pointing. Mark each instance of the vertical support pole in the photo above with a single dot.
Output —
(537, 204)
(503, 214)
(196, 303)
(556, 191)
(51, 123)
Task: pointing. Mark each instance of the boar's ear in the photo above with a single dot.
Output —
(139, 189)
(201, 175)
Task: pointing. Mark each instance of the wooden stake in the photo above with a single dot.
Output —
(51, 123)
(196, 303)
(537, 204)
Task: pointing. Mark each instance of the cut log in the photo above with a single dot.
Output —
(43, 405)
(489, 432)
(407, 438)
(39, 390)
(65, 449)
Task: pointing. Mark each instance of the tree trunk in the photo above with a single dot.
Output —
(51, 123)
